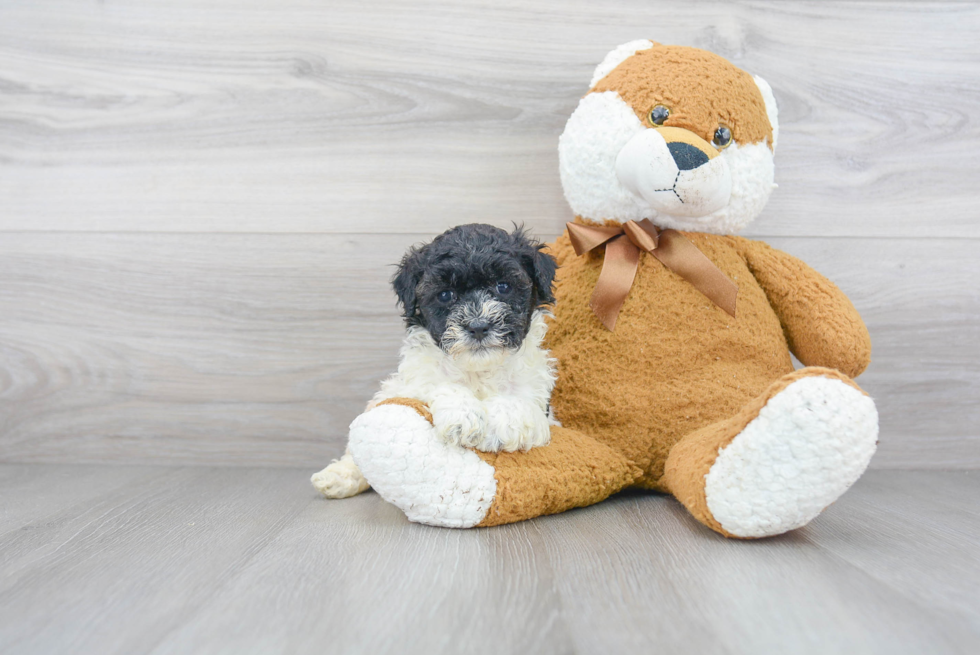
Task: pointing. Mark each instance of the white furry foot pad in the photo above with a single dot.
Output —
(406, 462)
(806, 447)
(342, 479)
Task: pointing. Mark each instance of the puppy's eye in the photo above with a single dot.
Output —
(503, 288)
(723, 138)
(659, 114)
(446, 296)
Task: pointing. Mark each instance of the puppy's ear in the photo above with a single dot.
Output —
(544, 277)
(406, 281)
(539, 265)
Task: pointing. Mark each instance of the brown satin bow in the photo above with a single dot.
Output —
(623, 256)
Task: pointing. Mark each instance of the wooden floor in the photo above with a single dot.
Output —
(200, 204)
(122, 559)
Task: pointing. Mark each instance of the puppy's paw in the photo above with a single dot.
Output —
(342, 479)
(515, 424)
(460, 421)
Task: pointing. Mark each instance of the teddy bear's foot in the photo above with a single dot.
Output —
(433, 482)
(775, 466)
(806, 447)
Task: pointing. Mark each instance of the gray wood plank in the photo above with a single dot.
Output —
(260, 349)
(411, 116)
(921, 303)
(885, 524)
(248, 560)
(374, 583)
(33, 492)
(222, 349)
(665, 583)
(965, 499)
(632, 574)
(119, 574)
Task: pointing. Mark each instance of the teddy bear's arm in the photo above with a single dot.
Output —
(821, 325)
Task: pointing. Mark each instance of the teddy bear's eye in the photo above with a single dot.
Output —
(659, 114)
(722, 138)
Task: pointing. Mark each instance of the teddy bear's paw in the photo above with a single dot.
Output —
(342, 479)
(413, 468)
(808, 445)
(514, 424)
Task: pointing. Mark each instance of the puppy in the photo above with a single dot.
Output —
(474, 302)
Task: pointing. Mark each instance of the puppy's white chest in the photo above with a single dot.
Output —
(485, 385)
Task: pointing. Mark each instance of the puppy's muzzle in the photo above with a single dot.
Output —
(675, 171)
(478, 323)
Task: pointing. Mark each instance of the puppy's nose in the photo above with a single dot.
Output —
(686, 156)
(478, 329)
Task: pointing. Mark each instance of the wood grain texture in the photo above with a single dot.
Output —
(936, 512)
(260, 349)
(199, 201)
(33, 493)
(250, 561)
(693, 594)
(406, 116)
(115, 574)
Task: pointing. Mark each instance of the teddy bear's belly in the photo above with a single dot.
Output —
(675, 362)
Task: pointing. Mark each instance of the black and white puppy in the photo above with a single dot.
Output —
(474, 302)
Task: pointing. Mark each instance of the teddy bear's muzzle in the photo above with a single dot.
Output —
(675, 171)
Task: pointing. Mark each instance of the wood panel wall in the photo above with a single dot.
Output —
(200, 201)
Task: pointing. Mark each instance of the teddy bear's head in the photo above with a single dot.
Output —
(674, 134)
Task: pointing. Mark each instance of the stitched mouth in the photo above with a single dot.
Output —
(673, 188)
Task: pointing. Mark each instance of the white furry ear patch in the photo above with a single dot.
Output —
(771, 110)
(618, 56)
(587, 151)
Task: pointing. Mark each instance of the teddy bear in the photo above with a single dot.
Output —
(673, 336)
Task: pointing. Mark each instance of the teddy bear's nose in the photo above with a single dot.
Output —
(686, 156)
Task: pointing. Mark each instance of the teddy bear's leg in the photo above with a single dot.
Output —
(445, 485)
(787, 455)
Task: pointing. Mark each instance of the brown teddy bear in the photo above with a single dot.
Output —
(673, 337)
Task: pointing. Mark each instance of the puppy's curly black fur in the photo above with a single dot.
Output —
(475, 286)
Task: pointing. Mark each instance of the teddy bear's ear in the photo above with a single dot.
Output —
(771, 109)
(618, 56)
(406, 281)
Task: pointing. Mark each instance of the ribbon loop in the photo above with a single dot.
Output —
(622, 259)
(589, 237)
(644, 234)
